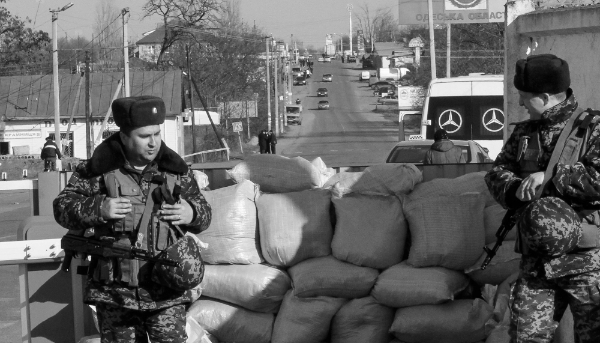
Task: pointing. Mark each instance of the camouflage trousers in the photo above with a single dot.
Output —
(539, 304)
(121, 325)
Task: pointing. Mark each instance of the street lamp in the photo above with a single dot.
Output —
(55, 73)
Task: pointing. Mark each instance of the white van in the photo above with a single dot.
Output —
(468, 108)
(364, 75)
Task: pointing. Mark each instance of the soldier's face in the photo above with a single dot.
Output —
(534, 103)
(142, 144)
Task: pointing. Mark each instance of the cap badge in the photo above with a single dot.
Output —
(154, 110)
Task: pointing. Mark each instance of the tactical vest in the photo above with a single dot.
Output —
(156, 237)
(575, 146)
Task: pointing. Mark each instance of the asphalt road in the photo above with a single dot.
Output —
(350, 132)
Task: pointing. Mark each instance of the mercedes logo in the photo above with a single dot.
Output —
(465, 3)
(450, 118)
(493, 116)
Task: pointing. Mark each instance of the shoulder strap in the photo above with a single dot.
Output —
(558, 150)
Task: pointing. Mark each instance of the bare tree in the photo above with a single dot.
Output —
(180, 15)
(107, 30)
(378, 25)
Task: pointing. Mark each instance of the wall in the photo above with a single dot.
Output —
(571, 33)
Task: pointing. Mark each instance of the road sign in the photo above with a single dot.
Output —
(237, 126)
(413, 12)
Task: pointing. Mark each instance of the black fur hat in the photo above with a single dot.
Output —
(138, 111)
(542, 74)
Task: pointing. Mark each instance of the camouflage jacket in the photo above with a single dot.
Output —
(78, 208)
(578, 185)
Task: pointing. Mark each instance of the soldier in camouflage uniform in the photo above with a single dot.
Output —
(131, 306)
(555, 270)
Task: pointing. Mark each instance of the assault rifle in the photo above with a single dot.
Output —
(509, 220)
(73, 244)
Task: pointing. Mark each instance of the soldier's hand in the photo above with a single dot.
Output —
(115, 208)
(178, 214)
(529, 186)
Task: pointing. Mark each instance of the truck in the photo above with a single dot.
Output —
(329, 50)
(292, 114)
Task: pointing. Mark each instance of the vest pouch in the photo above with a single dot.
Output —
(131, 219)
(590, 237)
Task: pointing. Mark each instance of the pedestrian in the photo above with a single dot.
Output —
(110, 193)
(262, 142)
(342, 58)
(443, 150)
(272, 141)
(555, 196)
(50, 152)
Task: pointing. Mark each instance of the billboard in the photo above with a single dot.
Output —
(360, 40)
(414, 12)
(328, 40)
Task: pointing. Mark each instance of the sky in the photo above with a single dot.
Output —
(308, 20)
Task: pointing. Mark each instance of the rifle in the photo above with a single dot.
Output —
(73, 244)
(509, 220)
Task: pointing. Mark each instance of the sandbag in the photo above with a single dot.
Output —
(472, 182)
(403, 285)
(382, 179)
(230, 323)
(276, 173)
(327, 276)
(370, 230)
(458, 321)
(304, 320)
(255, 287)
(231, 236)
(362, 320)
(195, 332)
(324, 172)
(505, 263)
(446, 230)
(295, 226)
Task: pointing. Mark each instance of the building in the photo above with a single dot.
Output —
(27, 109)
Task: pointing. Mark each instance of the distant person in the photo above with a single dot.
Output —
(342, 58)
(262, 142)
(50, 152)
(272, 142)
(443, 151)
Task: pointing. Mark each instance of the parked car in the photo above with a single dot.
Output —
(351, 59)
(323, 105)
(384, 91)
(320, 59)
(413, 151)
(378, 84)
(388, 99)
(327, 59)
(322, 92)
(327, 78)
(300, 81)
(364, 75)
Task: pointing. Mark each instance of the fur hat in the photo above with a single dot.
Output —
(440, 134)
(138, 111)
(542, 74)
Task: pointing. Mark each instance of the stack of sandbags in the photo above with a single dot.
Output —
(468, 183)
(324, 172)
(277, 174)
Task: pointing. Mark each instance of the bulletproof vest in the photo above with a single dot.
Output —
(157, 236)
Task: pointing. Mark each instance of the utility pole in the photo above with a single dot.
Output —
(189, 76)
(268, 86)
(125, 15)
(55, 75)
(88, 122)
(350, 10)
(448, 49)
(431, 39)
(275, 74)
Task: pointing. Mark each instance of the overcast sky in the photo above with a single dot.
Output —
(307, 20)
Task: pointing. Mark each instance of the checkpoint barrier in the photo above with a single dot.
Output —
(44, 310)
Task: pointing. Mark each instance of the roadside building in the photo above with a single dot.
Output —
(27, 109)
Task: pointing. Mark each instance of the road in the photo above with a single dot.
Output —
(350, 132)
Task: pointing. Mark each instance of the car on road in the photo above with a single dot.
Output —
(364, 75)
(320, 59)
(327, 59)
(388, 99)
(322, 92)
(350, 59)
(323, 105)
(413, 151)
(327, 78)
(300, 81)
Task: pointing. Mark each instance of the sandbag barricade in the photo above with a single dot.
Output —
(231, 236)
(370, 230)
(505, 263)
(336, 259)
(295, 226)
(255, 287)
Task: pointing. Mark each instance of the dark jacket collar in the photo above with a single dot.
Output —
(442, 145)
(109, 155)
